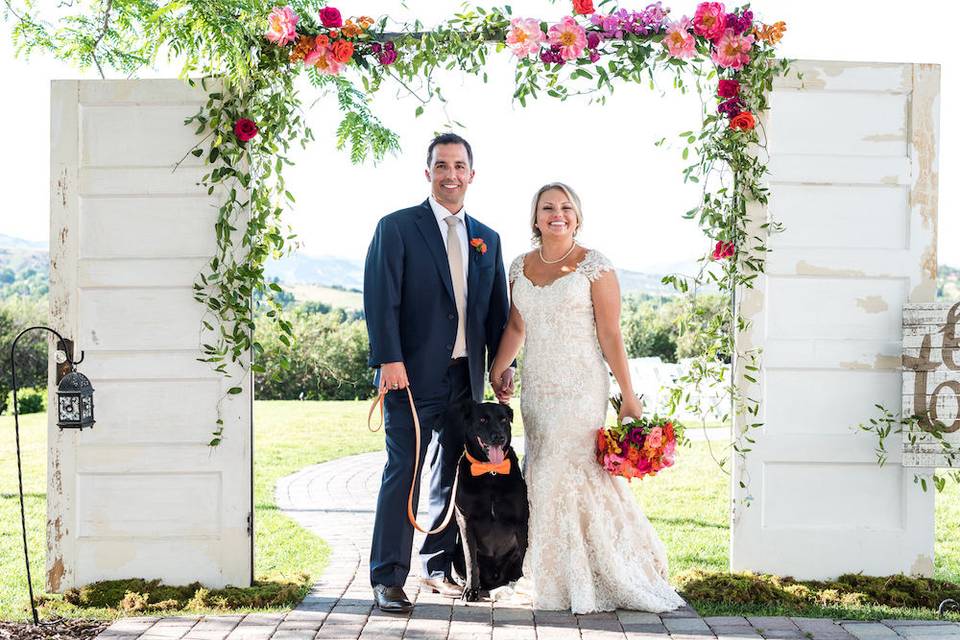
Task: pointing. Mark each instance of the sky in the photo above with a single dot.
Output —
(632, 192)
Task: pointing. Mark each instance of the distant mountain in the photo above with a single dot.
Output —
(326, 271)
(24, 268)
(10, 242)
(24, 271)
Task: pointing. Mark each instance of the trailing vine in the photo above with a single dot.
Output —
(920, 429)
(248, 55)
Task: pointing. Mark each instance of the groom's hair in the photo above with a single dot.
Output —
(449, 138)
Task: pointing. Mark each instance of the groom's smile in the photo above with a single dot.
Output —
(449, 174)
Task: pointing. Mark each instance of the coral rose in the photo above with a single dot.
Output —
(583, 7)
(743, 121)
(342, 50)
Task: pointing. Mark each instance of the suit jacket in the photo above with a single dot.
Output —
(409, 304)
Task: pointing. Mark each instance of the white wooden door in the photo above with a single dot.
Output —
(853, 177)
(141, 494)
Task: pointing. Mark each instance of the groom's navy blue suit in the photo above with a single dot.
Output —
(411, 317)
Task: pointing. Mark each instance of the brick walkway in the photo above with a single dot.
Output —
(336, 501)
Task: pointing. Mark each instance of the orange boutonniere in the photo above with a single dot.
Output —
(479, 245)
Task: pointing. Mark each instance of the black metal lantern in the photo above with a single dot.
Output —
(75, 402)
(74, 411)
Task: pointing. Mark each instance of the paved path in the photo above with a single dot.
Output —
(336, 501)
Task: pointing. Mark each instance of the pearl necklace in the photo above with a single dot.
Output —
(560, 259)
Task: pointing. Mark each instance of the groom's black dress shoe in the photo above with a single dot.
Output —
(391, 599)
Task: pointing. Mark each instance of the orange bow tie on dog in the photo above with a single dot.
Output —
(478, 468)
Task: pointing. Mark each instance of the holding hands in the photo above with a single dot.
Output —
(503, 384)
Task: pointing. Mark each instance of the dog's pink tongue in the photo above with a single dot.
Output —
(495, 454)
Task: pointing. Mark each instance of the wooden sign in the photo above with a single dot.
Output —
(931, 382)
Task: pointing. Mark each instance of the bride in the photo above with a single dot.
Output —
(591, 548)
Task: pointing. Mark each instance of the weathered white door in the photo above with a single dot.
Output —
(141, 494)
(853, 177)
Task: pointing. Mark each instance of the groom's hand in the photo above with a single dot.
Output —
(393, 376)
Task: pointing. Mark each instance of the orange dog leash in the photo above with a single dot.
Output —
(378, 402)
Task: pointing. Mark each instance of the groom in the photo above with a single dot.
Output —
(435, 301)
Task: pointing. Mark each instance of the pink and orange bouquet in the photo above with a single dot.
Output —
(638, 448)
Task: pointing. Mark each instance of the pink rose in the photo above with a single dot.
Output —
(331, 18)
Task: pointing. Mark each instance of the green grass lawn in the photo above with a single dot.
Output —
(687, 504)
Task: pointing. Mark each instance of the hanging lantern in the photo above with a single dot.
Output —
(75, 402)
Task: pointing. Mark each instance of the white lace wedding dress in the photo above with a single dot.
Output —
(590, 546)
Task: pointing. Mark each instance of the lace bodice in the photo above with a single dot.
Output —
(583, 522)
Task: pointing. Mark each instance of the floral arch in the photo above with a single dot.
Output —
(250, 126)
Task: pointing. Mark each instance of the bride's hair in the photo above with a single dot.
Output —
(571, 195)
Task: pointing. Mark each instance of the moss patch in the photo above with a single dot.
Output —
(785, 593)
(137, 596)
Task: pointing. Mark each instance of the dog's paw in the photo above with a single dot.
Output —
(471, 594)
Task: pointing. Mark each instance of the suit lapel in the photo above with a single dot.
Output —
(427, 224)
(473, 272)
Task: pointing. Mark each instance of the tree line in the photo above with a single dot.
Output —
(327, 360)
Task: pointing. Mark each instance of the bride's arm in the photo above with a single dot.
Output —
(510, 343)
(605, 292)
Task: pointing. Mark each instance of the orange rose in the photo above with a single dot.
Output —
(334, 34)
(342, 50)
(351, 30)
(743, 121)
(322, 41)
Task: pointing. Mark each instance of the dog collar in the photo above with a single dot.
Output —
(478, 468)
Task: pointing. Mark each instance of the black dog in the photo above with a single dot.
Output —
(491, 500)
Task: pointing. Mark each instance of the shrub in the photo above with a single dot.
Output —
(30, 400)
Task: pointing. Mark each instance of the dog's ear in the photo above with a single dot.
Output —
(509, 411)
(464, 410)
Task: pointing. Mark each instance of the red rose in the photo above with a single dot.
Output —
(743, 121)
(245, 129)
(583, 7)
(342, 50)
(723, 250)
(331, 18)
(728, 89)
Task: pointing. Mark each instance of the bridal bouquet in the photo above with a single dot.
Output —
(637, 448)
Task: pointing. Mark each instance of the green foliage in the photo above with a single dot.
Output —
(919, 429)
(326, 359)
(849, 590)
(671, 328)
(15, 316)
(138, 596)
(30, 400)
